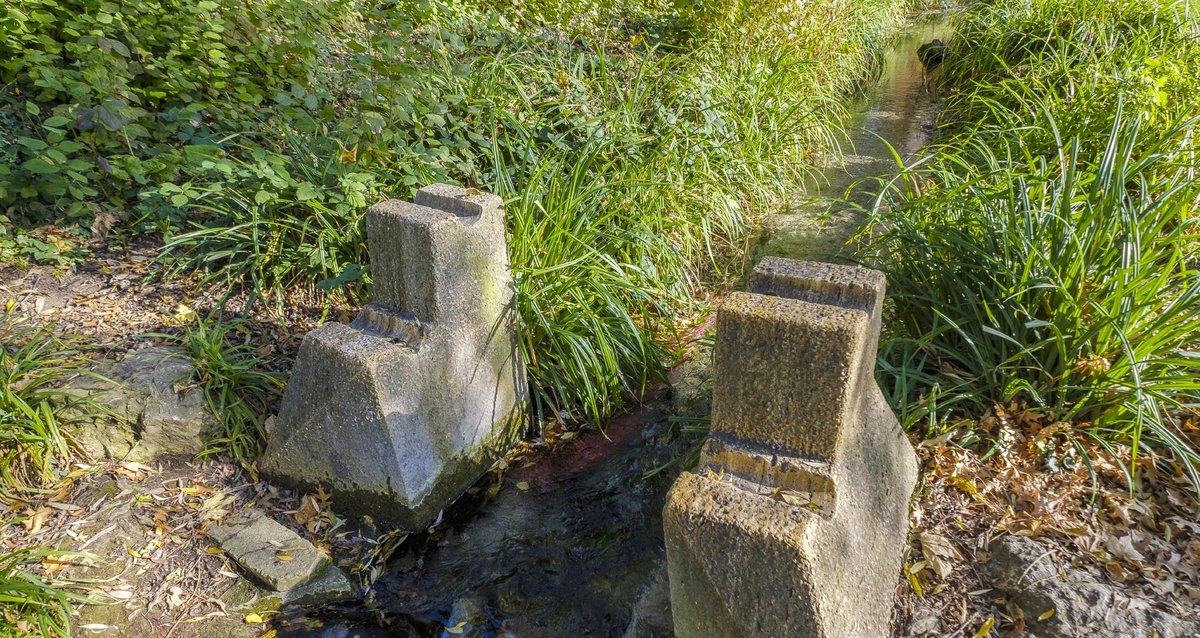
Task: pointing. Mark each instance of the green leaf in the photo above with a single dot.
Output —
(306, 191)
(39, 166)
(353, 272)
(116, 46)
(56, 121)
(31, 143)
(32, 108)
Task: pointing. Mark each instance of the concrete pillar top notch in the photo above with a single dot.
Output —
(792, 354)
(431, 255)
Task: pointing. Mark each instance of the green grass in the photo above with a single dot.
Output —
(1043, 256)
(239, 392)
(29, 605)
(33, 442)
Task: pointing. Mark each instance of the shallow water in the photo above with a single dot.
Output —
(568, 541)
(899, 110)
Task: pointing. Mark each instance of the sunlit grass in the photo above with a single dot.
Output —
(239, 391)
(1043, 257)
(34, 445)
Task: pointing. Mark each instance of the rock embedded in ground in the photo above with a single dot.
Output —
(330, 585)
(1027, 573)
(145, 407)
(275, 555)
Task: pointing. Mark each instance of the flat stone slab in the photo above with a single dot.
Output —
(278, 557)
(329, 586)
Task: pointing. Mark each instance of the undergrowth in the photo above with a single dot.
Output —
(33, 442)
(636, 142)
(1042, 257)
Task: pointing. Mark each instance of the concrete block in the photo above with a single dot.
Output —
(795, 522)
(402, 410)
(275, 555)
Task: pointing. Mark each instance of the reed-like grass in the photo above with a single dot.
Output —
(34, 445)
(1043, 256)
(29, 605)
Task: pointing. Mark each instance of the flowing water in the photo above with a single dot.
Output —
(570, 539)
(899, 110)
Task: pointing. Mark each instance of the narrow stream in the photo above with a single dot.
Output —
(899, 110)
(570, 540)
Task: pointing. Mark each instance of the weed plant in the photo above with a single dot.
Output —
(1043, 256)
(238, 391)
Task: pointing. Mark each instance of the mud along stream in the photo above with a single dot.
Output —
(569, 541)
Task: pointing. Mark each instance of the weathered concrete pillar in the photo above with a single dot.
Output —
(402, 410)
(795, 521)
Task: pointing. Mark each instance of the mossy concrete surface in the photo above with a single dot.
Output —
(402, 410)
(795, 522)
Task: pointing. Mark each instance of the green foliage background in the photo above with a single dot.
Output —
(635, 141)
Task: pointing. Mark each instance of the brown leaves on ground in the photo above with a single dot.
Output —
(1036, 482)
(147, 529)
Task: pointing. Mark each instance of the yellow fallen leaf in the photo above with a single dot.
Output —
(214, 550)
(522, 485)
(253, 619)
(283, 557)
(184, 314)
(1046, 614)
(986, 627)
(457, 629)
(269, 634)
(34, 523)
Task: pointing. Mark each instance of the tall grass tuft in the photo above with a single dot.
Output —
(29, 605)
(33, 443)
(239, 391)
(1065, 281)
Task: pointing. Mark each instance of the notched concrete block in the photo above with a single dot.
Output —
(402, 410)
(795, 522)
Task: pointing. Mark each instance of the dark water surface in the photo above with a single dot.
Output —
(572, 537)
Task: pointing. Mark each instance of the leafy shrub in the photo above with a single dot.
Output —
(108, 98)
